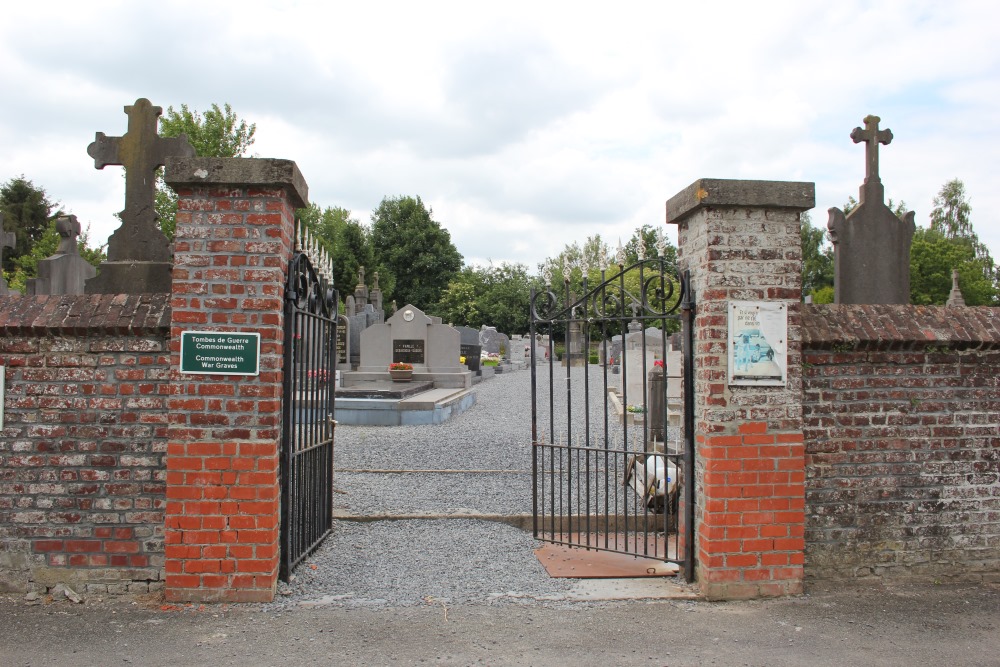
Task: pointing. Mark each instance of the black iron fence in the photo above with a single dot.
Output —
(612, 442)
(308, 409)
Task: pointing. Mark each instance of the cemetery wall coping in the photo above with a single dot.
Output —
(852, 327)
(719, 192)
(261, 172)
(83, 314)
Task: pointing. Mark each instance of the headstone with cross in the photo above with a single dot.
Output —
(139, 255)
(871, 245)
(7, 240)
(65, 272)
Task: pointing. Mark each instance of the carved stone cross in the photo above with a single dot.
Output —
(141, 151)
(872, 136)
(69, 228)
(139, 255)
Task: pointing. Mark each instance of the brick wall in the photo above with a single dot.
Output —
(81, 451)
(233, 241)
(741, 241)
(902, 422)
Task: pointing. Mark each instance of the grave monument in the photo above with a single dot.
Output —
(871, 245)
(7, 240)
(65, 272)
(139, 255)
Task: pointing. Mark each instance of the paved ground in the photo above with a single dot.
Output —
(937, 625)
(465, 591)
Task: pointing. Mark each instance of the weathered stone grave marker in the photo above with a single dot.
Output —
(7, 240)
(139, 255)
(65, 272)
(871, 245)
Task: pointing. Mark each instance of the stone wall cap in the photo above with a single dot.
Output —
(899, 327)
(721, 192)
(240, 172)
(85, 314)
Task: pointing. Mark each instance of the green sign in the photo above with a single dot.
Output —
(220, 353)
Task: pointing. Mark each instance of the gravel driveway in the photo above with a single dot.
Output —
(478, 463)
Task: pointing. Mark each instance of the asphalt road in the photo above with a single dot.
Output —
(911, 625)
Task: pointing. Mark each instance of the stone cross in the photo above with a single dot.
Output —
(871, 246)
(872, 136)
(141, 151)
(69, 228)
(7, 240)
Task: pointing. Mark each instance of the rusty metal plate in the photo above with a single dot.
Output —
(580, 563)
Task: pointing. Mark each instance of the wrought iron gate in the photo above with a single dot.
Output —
(308, 409)
(613, 453)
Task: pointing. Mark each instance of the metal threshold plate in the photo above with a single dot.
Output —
(561, 561)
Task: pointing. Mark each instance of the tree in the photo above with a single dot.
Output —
(27, 212)
(950, 216)
(933, 256)
(817, 262)
(217, 133)
(414, 255)
(496, 295)
(347, 241)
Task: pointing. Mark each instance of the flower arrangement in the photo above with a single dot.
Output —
(461, 360)
(490, 359)
(400, 366)
(658, 363)
(321, 375)
(636, 409)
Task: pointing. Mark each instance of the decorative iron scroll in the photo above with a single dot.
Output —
(307, 290)
(661, 292)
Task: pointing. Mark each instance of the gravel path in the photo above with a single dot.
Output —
(448, 561)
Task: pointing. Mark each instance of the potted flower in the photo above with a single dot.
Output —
(400, 371)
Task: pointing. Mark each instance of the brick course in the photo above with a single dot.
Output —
(902, 422)
(85, 430)
(741, 241)
(233, 241)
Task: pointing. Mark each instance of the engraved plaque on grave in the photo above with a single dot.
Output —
(408, 351)
(342, 334)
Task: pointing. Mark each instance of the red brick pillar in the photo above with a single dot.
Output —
(234, 238)
(741, 242)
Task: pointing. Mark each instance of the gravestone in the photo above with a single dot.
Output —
(470, 348)
(489, 339)
(7, 240)
(411, 336)
(637, 363)
(871, 245)
(349, 308)
(343, 343)
(139, 255)
(576, 346)
(360, 292)
(65, 272)
(955, 298)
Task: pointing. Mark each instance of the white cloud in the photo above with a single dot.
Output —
(526, 126)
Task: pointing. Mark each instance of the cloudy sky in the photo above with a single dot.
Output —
(525, 126)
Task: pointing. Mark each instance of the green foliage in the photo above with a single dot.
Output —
(596, 255)
(817, 260)
(496, 296)
(933, 256)
(414, 255)
(27, 212)
(347, 241)
(898, 209)
(951, 216)
(217, 133)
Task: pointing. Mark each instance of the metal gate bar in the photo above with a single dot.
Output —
(307, 410)
(585, 446)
